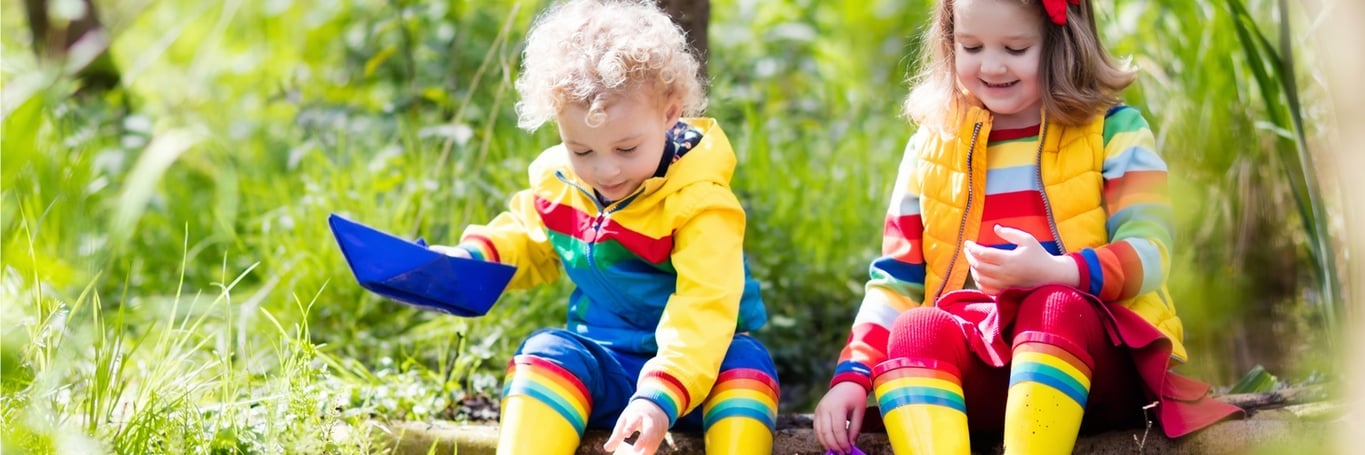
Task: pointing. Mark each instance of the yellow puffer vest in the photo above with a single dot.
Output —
(952, 174)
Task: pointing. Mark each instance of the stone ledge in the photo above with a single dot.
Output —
(1304, 428)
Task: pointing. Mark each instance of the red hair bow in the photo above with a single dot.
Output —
(1056, 10)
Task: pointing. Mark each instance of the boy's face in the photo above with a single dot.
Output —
(997, 46)
(617, 156)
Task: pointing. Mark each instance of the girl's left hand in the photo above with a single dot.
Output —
(1027, 265)
(643, 416)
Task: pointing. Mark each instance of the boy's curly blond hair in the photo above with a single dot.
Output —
(586, 51)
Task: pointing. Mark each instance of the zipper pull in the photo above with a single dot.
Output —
(597, 224)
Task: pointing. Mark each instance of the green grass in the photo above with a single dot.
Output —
(170, 285)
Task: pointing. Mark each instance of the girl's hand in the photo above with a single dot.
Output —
(643, 416)
(839, 416)
(1027, 265)
(451, 251)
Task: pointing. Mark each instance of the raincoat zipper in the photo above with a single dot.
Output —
(602, 214)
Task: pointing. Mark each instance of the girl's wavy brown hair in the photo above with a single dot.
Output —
(1079, 77)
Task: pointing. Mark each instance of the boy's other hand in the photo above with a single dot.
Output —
(453, 251)
(839, 416)
(645, 417)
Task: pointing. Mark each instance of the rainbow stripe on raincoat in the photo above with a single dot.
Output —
(659, 272)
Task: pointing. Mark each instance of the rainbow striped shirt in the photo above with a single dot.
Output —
(1139, 227)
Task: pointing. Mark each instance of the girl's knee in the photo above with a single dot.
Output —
(921, 319)
(1057, 299)
(1063, 317)
(927, 332)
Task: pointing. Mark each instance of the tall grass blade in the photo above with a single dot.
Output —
(1299, 170)
(143, 180)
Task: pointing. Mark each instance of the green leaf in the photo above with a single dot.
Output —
(163, 151)
(373, 63)
(21, 129)
(1255, 381)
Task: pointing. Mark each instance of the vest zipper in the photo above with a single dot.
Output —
(966, 213)
(1042, 189)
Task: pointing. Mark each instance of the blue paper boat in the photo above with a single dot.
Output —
(410, 273)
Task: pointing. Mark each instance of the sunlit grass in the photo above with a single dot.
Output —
(82, 375)
(170, 284)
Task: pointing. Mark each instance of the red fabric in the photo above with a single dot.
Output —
(1185, 405)
(1062, 317)
(922, 334)
(1128, 355)
(1056, 10)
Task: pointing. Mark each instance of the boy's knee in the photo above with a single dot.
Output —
(548, 341)
(562, 347)
(747, 352)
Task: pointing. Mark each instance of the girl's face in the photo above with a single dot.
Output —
(996, 48)
(617, 156)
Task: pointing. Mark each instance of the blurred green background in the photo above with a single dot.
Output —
(170, 285)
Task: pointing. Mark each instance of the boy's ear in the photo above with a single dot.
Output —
(673, 110)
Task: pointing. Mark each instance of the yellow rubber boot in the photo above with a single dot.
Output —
(923, 411)
(739, 435)
(740, 414)
(544, 409)
(1048, 391)
(529, 426)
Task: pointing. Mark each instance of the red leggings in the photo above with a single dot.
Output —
(1056, 315)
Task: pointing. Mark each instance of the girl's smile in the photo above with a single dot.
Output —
(1000, 86)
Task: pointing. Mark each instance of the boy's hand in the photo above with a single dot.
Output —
(643, 416)
(451, 251)
(1027, 265)
(839, 416)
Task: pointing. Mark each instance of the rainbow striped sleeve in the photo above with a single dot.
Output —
(665, 391)
(897, 277)
(517, 238)
(1140, 223)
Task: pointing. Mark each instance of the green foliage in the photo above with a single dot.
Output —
(1222, 123)
(170, 284)
(1255, 381)
(1273, 67)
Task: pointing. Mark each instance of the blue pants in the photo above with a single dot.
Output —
(609, 376)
